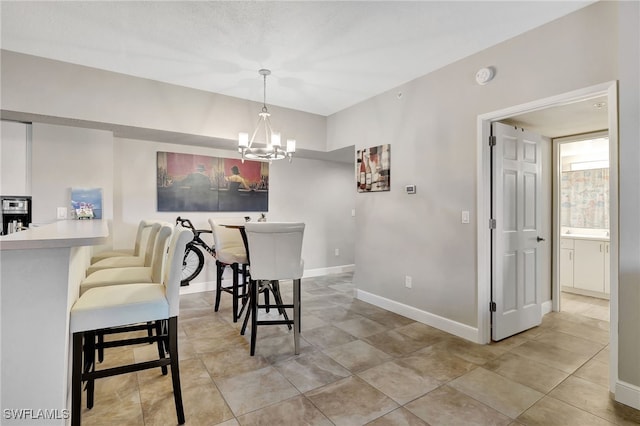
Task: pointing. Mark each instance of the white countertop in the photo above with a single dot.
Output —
(63, 233)
(585, 237)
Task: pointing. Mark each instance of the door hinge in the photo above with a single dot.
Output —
(492, 306)
(492, 224)
(492, 141)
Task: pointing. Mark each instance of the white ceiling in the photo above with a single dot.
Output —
(325, 55)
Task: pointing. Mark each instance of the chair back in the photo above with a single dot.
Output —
(151, 243)
(275, 250)
(227, 240)
(160, 252)
(173, 270)
(142, 236)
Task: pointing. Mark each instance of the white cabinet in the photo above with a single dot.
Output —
(566, 262)
(566, 267)
(588, 268)
(585, 266)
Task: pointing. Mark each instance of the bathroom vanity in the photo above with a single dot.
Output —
(585, 262)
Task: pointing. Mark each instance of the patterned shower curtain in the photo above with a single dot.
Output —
(585, 199)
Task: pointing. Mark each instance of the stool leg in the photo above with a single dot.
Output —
(219, 272)
(254, 315)
(100, 347)
(266, 298)
(76, 379)
(234, 268)
(249, 309)
(90, 363)
(175, 371)
(160, 348)
(296, 316)
(275, 285)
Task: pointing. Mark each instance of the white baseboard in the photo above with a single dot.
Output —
(458, 329)
(628, 394)
(202, 286)
(308, 273)
(546, 307)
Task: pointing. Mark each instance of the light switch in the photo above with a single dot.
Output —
(62, 213)
(465, 216)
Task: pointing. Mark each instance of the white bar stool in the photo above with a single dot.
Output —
(143, 230)
(122, 305)
(275, 253)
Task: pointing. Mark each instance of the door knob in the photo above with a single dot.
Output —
(539, 239)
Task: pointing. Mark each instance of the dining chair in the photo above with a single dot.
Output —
(143, 230)
(144, 259)
(231, 252)
(103, 308)
(275, 250)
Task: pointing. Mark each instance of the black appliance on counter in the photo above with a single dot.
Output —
(15, 212)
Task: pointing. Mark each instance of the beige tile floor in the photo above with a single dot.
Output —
(360, 364)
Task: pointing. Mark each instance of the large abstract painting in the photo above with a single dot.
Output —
(373, 169)
(198, 183)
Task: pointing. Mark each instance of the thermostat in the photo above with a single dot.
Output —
(411, 189)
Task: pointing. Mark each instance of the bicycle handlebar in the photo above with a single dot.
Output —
(189, 225)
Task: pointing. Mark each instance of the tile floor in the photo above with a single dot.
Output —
(360, 364)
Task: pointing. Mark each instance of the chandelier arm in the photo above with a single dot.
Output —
(253, 136)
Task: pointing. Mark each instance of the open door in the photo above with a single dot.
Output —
(516, 211)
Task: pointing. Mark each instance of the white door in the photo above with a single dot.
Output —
(516, 210)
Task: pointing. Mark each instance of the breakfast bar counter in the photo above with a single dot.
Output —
(40, 271)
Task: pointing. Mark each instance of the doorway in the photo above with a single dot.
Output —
(582, 211)
(609, 90)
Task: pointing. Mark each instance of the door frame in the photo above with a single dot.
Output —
(483, 199)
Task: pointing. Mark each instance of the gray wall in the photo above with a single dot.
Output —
(432, 129)
(66, 157)
(316, 192)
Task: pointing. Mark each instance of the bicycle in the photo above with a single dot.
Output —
(193, 260)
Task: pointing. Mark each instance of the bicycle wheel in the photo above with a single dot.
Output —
(192, 264)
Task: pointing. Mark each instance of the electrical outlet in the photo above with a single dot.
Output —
(408, 281)
(62, 213)
(337, 251)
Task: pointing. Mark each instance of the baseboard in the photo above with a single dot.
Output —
(628, 394)
(458, 329)
(202, 286)
(546, 307)
(308, 273)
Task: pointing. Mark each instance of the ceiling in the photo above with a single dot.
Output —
(324, 55)
(574, 118)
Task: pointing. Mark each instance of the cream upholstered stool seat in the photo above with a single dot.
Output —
(128, 261)
(122, 305)
(275, 253)
(133, 274)
(230, 251)
(143, 230)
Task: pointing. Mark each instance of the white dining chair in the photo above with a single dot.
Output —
(275, 253)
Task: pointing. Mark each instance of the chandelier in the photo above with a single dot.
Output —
(271, 149)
